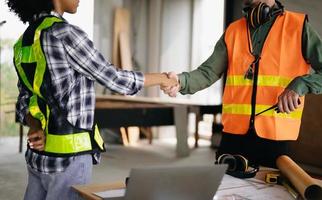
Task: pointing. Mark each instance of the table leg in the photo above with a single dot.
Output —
(196, 110)
(124, 136)
(20, 138)
(181, 122)
(198, 118)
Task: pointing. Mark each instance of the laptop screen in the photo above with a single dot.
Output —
(175, 183)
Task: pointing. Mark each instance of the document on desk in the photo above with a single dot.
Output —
(250, 189)
(111, 193)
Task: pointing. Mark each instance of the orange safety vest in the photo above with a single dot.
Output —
(280, 62)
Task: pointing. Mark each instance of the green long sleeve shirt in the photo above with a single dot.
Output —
(213, 68)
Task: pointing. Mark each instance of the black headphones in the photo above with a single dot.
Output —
(237, 166)
(261, 13)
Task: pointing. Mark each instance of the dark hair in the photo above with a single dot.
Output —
(26, 9)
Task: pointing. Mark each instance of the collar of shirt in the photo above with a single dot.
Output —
(44, 14)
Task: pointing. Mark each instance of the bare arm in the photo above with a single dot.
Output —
(155, 79)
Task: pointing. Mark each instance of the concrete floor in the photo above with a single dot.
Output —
(115, 165)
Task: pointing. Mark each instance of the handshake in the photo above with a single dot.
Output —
(168, 82)
(171, 86)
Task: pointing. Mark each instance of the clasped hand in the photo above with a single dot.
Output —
(171, 90)
(169, 81)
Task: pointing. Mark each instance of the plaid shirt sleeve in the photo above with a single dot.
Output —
(22, 105)
(87, 60)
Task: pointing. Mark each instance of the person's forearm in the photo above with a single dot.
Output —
(155, 79)
(22, 104)
(312, 52)
(192, 82)
(311, 83)
(32, 122)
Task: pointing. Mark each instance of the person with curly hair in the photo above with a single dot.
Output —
(57, 66)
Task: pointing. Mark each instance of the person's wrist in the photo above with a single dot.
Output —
(35, 125)
(35, 128)
(178, 80)
(181, 81)
(164, 79)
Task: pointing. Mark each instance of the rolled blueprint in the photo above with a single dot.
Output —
(304, 183)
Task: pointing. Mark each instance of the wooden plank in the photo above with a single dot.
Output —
(155, 100)
(86, 191)
(125, 51)
(122, 53)
(124, 136)
(127, 105)
(122, 25)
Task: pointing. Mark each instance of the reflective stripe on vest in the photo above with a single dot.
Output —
(245, 109)
(55, 143)
(281, 61)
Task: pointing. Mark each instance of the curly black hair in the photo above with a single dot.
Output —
(26, 9)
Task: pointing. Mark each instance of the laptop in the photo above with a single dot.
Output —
(174, 183)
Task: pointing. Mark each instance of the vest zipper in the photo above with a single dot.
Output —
(255, 76)
(254, 92)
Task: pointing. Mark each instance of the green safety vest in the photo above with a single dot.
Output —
(32, 56)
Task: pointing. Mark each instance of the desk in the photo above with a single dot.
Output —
(86, 191)
(114, 111)
(230, 188)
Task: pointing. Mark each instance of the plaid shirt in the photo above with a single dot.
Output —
(74, 65)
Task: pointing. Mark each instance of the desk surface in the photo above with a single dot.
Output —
(230, 188)
(86, 191)
(147, 100)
